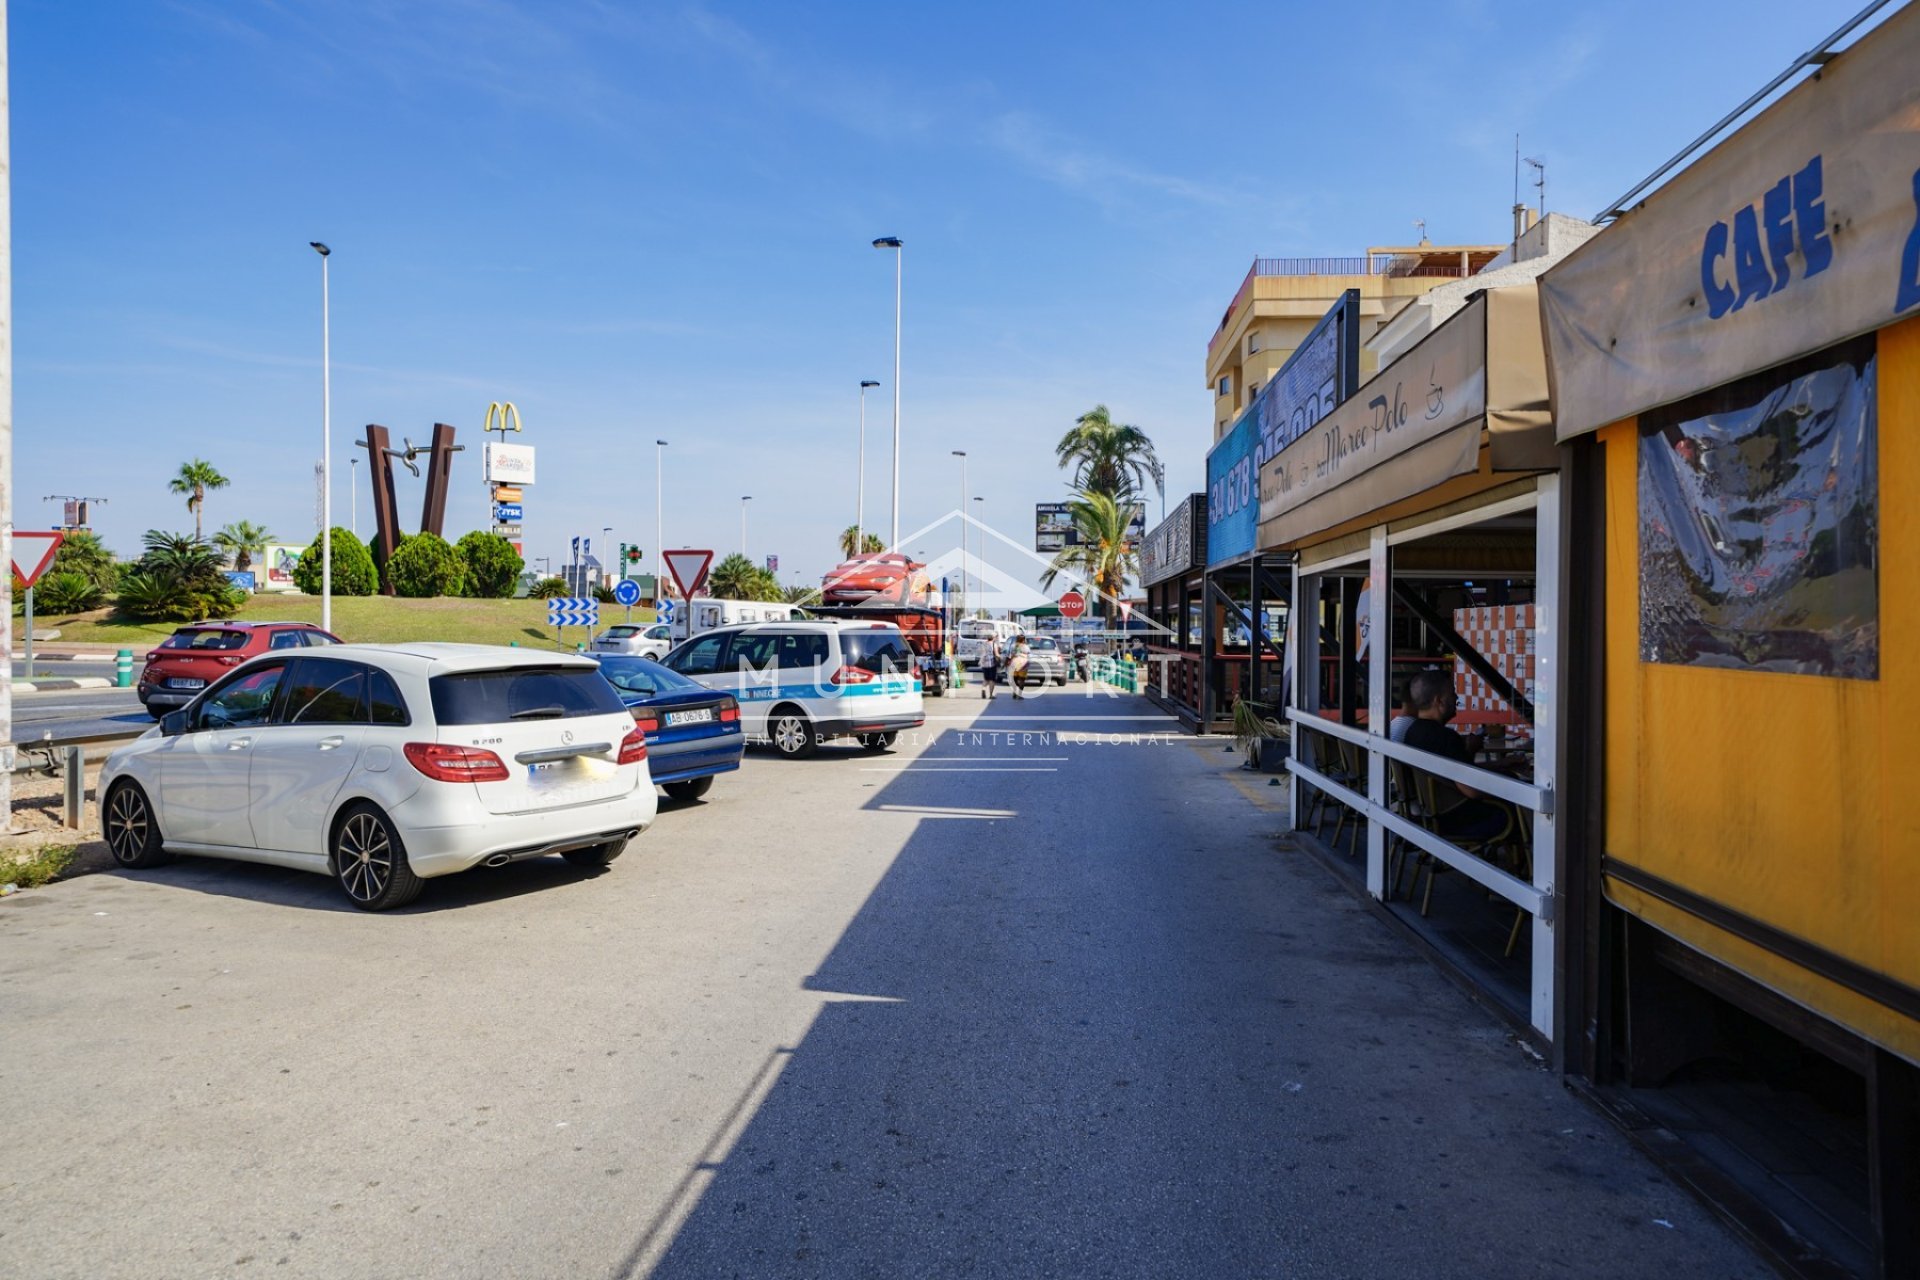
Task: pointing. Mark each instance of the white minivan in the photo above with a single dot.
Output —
(800, 683)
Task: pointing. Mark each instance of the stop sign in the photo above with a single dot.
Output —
(1072, 604)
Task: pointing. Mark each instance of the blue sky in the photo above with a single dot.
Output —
(653, 221)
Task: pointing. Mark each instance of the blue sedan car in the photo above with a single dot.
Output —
(692, 732)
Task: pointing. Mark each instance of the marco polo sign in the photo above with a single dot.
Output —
(1799, 231)
(1418, 422)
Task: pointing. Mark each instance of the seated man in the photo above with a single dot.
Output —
(1464, 815)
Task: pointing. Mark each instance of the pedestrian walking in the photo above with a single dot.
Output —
(989, 668)
(1018, 667)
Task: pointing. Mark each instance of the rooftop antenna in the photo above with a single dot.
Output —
(1539, 181)
(1422, 224)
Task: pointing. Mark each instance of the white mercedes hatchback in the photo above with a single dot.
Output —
(386, 765)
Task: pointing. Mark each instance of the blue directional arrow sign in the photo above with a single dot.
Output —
(626, 592)
(663, 612)
(572, 611)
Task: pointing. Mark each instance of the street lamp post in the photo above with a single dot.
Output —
(982, 521)
(659, 523)
(606, 540)
(354, 472)
(744, 500)
(326, 444)
(860, 471)
(899, 257)
(962, 455)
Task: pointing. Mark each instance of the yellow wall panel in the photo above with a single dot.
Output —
(1791, 799)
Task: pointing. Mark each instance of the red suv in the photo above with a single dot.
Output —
(193, 657)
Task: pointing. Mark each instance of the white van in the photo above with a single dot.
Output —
(800, 683)
(703, 613)
(977, 634)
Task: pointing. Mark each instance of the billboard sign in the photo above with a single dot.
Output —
(1054, 531)
(1322, 372)
(509, 463)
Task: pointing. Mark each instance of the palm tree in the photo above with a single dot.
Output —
(1109, 457)
(1104, 558)
(870, 542)
(243, 540)
(738, 578)
(194, 480)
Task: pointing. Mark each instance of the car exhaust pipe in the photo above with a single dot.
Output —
(499, 860)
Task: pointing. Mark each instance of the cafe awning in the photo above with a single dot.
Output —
(1471, 396)
(1795, 233)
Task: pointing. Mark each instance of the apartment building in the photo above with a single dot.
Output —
(1282, 299)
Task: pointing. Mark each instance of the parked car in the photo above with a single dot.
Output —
(634, 639)
(385, 766)
(800, 683)
(692, 731)
(195, 656)
(1046, 664)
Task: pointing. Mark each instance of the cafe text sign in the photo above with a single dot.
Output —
(1800, 230)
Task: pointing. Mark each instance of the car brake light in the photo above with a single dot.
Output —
(444, 762)
(225, 661)
(852, 675)
(646, 724)
(730, 712)
(633, 747)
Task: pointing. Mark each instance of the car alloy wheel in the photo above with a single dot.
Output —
(370, 862)
(132, 834)
(792, 735)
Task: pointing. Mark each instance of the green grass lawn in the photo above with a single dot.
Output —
(370, 619)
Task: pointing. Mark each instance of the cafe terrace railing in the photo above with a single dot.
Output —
(1527, 795)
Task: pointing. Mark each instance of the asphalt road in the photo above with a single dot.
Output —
(77, 711)
(1004, 1005)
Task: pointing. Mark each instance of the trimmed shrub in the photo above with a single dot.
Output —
(425, 566)
(66, 592)
(83, 553)
(353, 573)
(490, 566)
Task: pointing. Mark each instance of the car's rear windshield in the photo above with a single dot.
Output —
(643, 677)
(209, 638)
(1041, 642)
(622, 632)
(522, 693)
(878, 650)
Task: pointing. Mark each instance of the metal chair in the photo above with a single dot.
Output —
(1427, 793)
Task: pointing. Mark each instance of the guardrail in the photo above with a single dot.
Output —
(66, 756)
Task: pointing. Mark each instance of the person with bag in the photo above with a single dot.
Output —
(989, 668)
(1017, 669)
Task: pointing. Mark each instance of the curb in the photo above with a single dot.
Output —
(54, 686)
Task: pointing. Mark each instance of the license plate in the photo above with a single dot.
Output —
(185, 682)
(702, 716)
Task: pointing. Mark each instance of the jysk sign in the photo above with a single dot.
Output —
(1317, 377)
(1799, 231)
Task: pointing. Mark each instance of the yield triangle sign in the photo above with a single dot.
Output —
(35, 550)
(689, 569)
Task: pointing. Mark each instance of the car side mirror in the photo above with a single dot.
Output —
(173, 724)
